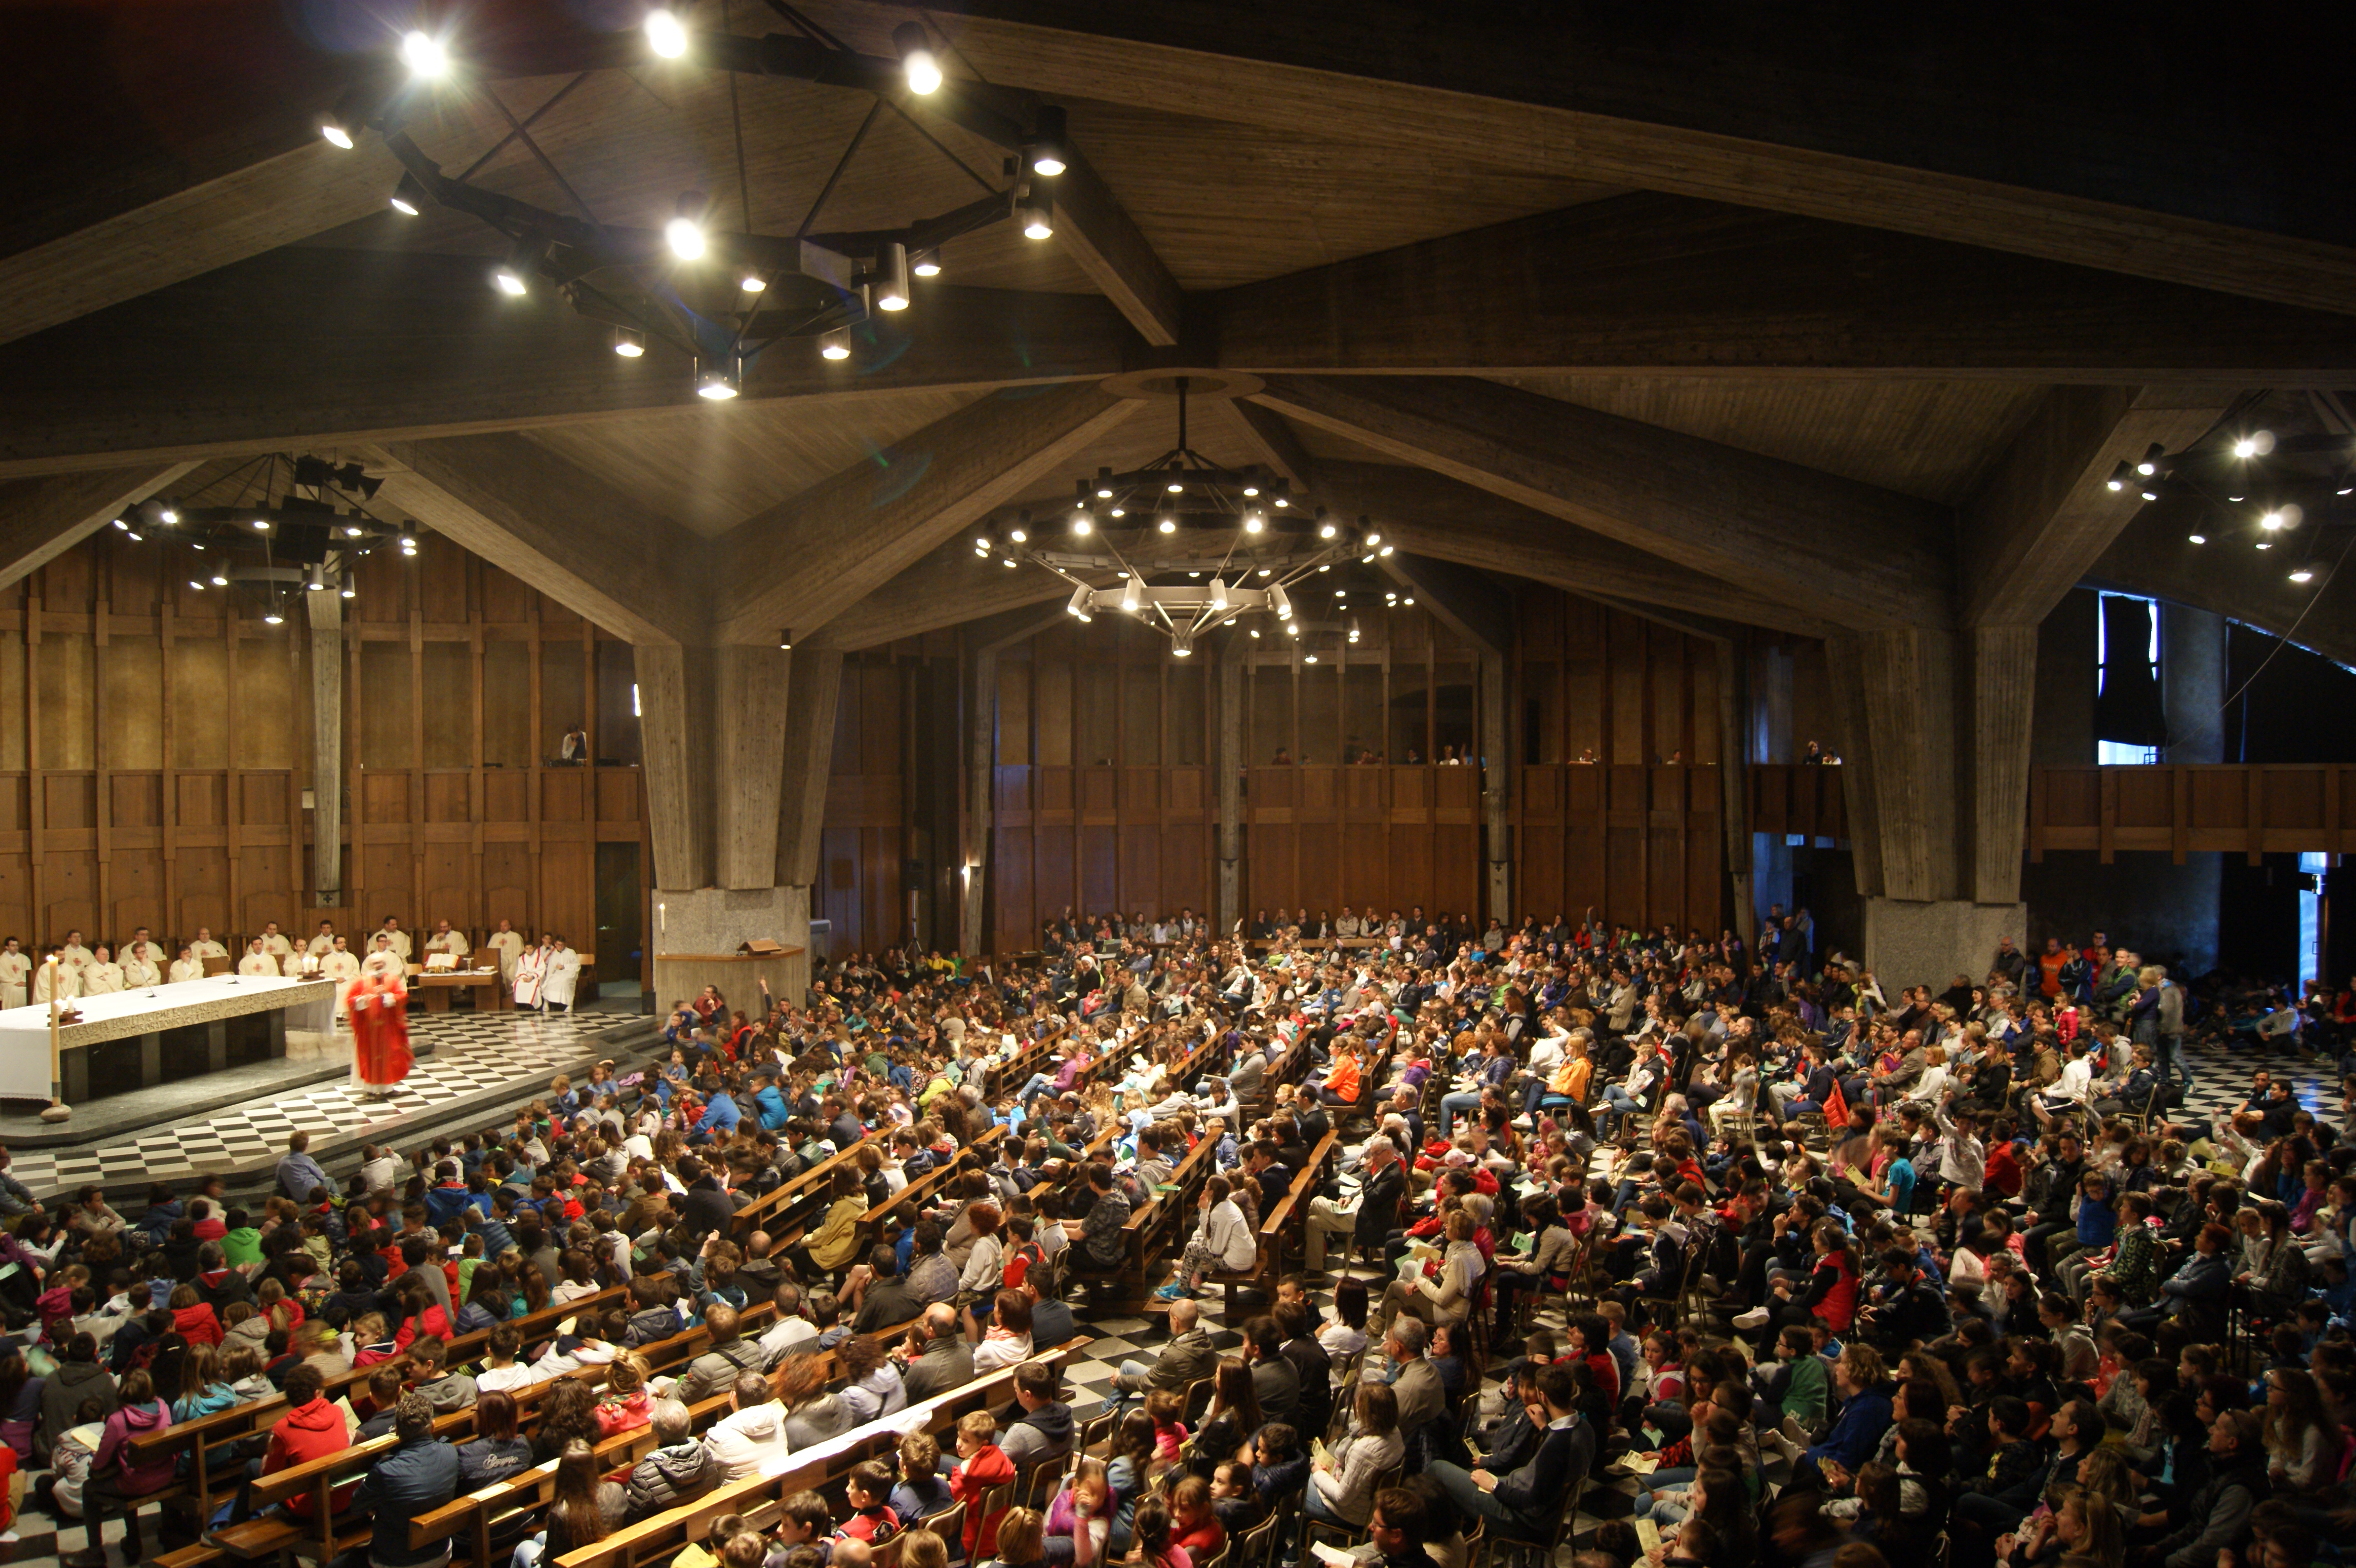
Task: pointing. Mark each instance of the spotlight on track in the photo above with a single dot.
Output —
(923, 72)
(666, 34)
(409, 196)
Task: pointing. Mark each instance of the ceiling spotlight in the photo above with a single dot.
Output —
(2119, 476)
(835, 345)
(1327, 531)
(122, 525)
(2198, 538)
(1129, 597)
(2271, 520)
(1281, 502)
(1372, 538)
(666, 35)
(1409, 600)
(1007, 561)
(1177, 486)
(1168, 525)
(981, 544)
(684, 232)
(1047, 153)
(348, 590)
(1386, 550)
(2150, 491)
(424, 54)
(1017, 535)
(2151, 456)
(1341, 593)
(2244, 448)
(1182, 649)
(1255, 633)
(1078, 607)
(917, 60)
(1281, 602)
(221, 580)
(510, 277)
(925, 263)
(261, 525)
(2303, 575)
(630, 342)
(891, 277)
(752, 282)
(1080, 524)
(407, 197)
(1036, 213)
(1251, 491)
(133, 534)
(273, 618)
(2265, 544)
(1265, 571)
(786, 640)
(1103, 484)
(351, 531)
(314, 580)
(408, 542)
(1254, 522)
(194, 583)
(720, 381)
(2256, 444)
(1292, 629)
(1310, 659)
(1120, 511)
(337, 125)
(167, 514)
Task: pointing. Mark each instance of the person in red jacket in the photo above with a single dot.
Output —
(311, 1429)
(981, 1465)
(114, 1479)
(192, 1320)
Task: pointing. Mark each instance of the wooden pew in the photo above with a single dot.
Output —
(758, 1498)
(1288, 1214)
(929, 1185)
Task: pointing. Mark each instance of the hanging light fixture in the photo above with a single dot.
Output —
(923, 71)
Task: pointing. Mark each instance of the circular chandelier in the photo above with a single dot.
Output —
(2287, 492)
(1190, 545)
(253, 530)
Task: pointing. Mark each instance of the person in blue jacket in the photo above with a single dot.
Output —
(771, 1107)
(1865, 1415)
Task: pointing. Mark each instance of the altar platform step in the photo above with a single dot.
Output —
(235, 1123)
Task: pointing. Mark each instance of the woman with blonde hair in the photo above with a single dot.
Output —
(2302, 1439)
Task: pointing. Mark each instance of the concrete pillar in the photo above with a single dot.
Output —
(1496, 773)
(1734, 782)
(1229, 761)
(718, 727)
(1934, 741)
(2192, 683)
(981, 779)
(325, 611)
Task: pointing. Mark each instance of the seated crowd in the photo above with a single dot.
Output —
(1979, 1278)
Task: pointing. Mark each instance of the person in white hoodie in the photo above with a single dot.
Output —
(751, 1439)
(1224, 1240)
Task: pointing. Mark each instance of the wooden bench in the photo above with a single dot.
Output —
(918, 1192)
(823, 1468)
(1288, 1214)
(1150, 1226)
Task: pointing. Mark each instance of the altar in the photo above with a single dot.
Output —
(136, 1039)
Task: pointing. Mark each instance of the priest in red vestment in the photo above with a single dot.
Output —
(380, 1014)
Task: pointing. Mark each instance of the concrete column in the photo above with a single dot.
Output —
(2192, 683)
(1496, 754)
(1996, 771)
(1229, 759)
(674, 735)
(325, 611)
(1734, 783)
(981, 778)
(748, 707)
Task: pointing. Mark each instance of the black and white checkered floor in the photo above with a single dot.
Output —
(475, 1054)
(526, 1047)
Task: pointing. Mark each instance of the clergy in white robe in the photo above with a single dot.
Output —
(204, 947)
(563, 974)
(73, 955)
(325, 942)
(445, 939)
(508, 942)
(16, 973)
(68, 980)
(139, 972)
(532, 974)
(274, 943)
(187, 966)
(393, 933)
(101, 976)
(340, 964)
(141, 946)
(257, 961)
(384, 961)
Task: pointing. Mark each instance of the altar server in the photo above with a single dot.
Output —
(563, 974)
(274, 943)
(257, 961)
(187, 966)
(101, 976)
(508, 942)
(445, 939)
(532, 975)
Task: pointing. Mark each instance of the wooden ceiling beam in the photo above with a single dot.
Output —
(1429, 514)
(42, 519)
(952, 587)
(1965, 135)
(1648, 283)
(535, 516)
(1098, 234)
(804, 562)
(1833, 549)
(2044, 512)
(318, 348)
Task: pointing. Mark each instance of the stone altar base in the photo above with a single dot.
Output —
(697, 934)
